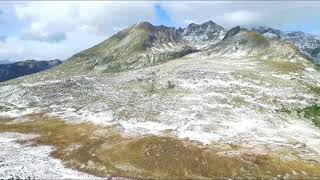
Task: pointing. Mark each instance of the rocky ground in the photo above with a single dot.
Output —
(213, 100)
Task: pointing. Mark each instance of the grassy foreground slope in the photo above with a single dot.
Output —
(103, 151)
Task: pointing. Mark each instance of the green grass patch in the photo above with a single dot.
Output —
(315, 89)
(312, 113)
(284, 66)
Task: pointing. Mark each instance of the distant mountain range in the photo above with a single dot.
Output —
(144, 44)
(17, 69)
(5, 62)
(308, 44)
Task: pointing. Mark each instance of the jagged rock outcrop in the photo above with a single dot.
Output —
(208, 32)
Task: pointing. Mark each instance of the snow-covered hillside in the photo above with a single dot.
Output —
(247, 91)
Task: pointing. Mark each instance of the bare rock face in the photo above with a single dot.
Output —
(208, 32)
(159, 34)
(316, 54)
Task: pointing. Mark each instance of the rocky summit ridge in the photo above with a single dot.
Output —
(143, 45)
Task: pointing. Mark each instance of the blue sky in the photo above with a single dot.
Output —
(48, 30)
(9, 21)
(162, 17)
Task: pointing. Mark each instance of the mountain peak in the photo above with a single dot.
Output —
(208, 23)
(205, 32)
(192, 25)
(264, 29)
(152, 28)
(140, 45)
(144, 25)
(233, 31)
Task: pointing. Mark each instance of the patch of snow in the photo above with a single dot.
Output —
(166, 47)
(145, 127)
(204, 137)
(272, 35)
(101, 118)
(18, 113)
(23, 161)
(40, 83)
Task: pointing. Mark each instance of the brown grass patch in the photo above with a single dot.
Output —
(103, 151)
(284, 66)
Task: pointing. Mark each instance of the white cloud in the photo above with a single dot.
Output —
(101, 17)
(278, 14)
(58, 29)
(242, 17)
(192, 11)
(15, 48)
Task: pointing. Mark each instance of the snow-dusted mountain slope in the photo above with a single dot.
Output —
(246, 90)
(223, 91)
